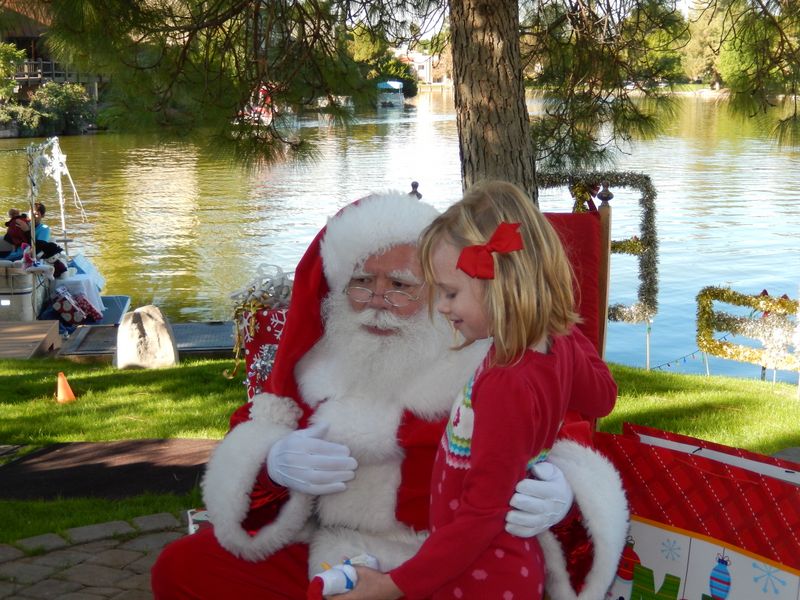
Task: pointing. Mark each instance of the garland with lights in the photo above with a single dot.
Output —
(644, 246)
(770, 323)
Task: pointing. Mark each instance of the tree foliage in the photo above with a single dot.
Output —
(66, 107)
(10, 59)
(587, 56)
(376, 61)
(194, 65)
(759, 58)
(701, 54)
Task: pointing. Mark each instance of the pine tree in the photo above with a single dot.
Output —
(195, 66)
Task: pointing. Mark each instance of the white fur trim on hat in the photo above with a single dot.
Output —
(372, 226)
(601, 498)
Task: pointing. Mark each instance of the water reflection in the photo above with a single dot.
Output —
(173, 225)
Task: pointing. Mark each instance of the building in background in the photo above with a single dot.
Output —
(24, 24)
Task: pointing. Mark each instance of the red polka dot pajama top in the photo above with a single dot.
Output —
(505, 419)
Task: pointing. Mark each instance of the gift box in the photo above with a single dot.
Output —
(260, 331)
(92, 314)
(260, 314)
(67, 307)
(707, 521)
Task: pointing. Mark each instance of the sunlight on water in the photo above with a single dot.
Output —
(171, 225)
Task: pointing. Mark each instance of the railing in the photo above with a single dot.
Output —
(48, 70)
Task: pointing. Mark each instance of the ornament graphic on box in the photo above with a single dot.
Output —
(719, 581)
(710, 522)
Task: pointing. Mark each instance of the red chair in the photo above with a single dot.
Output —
(587, 240)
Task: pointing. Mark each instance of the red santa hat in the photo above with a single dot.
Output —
(368, 226)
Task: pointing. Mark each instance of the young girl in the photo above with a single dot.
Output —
(499, 271)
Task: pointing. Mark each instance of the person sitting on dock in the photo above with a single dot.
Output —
(335, 459)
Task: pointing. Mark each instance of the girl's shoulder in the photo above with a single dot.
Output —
(526, 366)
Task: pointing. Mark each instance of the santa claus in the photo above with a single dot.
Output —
(334, 461)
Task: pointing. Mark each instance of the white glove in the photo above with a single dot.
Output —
(305, 462)
(540, 503)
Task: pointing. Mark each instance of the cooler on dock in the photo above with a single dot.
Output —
(21, 294)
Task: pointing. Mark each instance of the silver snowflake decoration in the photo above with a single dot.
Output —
(671, 549)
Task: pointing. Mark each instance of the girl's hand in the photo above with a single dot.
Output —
(372, 585)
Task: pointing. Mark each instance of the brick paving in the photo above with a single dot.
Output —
(107, 561)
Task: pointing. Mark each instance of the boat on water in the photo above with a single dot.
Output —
(40, 279)
(390, 94)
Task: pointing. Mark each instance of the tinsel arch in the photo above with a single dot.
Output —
(770, 322)
(644, 246)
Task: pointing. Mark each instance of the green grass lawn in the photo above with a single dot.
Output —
(195, 401)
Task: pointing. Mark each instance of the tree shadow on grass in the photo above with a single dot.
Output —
(106, 470)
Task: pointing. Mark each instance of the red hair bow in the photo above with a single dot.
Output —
(477, 261)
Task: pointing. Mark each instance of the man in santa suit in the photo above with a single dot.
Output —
(334, 460)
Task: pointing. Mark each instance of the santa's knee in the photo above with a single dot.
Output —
(171, 574)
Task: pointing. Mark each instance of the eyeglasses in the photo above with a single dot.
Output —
(395, 298)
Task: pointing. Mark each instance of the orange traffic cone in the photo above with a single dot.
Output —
(64, 392)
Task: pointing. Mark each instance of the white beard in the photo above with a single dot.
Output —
(352, 361)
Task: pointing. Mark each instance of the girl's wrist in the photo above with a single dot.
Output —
(390, 587)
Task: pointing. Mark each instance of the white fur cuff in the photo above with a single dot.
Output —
(229, 479)
(277, 410)
(601, 498)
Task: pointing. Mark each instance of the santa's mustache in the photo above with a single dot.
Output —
(382, 319)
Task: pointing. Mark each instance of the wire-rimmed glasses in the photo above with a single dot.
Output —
(395, 298)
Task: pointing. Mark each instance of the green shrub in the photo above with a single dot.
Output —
(28, 120)
(65, 107)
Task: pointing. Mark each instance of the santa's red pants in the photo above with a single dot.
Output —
(197, 567)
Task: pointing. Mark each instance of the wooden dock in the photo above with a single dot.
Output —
(28, 339)
(209, 339)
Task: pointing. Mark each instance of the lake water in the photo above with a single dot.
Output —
(172, 226)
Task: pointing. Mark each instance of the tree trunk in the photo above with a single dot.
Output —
(493, 127)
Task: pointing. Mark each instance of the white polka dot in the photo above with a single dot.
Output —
(453, 504)
(479, 574)
(527, 547)
(458, 593)
(524, 571)
(540, 589)
(508, 595)
(439, 487)
(499, 553)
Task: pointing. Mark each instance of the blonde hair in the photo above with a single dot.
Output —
(531, 295)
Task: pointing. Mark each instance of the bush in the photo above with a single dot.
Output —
(28, 120)
(65, 107)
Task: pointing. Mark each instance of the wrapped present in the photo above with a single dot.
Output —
(707, 521)
(67, 307)
(260, 315)
(261, 332)
(92, 314)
